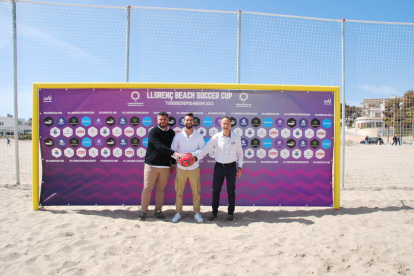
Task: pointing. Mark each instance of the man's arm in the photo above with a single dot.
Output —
(239, 152)
(153, 139)
(201, 152)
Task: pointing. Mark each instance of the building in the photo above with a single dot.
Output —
(7, 126)
(371, 123)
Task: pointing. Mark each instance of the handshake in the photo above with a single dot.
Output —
(185, 159)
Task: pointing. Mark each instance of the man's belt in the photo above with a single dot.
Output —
(227, 164)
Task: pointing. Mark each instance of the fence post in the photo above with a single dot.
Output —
(238, 44)
(128, 36)
(343, 108)
(16, 113)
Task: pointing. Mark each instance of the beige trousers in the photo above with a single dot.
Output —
(180, 181)
(152, 175)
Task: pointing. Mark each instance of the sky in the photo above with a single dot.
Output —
(64, 44)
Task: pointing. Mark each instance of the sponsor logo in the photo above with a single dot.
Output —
(135, 142)
(105, 131)
(249, 153)
(196, 121)
(207, 121)
(218, 121)
(314, 144)
(296, 154)
(303, 143)
(249, 132)
(285, 133)
(110, 142)
(212, 131)
(273, 132)
(123, 142)
(117, 131)
(233, 121)
(255, 122)
(117, 152)
(297, 133)
(176, 130)
(93, 152)
(99, 142)
(171, 121)
(320, 154)
(321, 133)
(110, 121)
(279, 143)
(291, 143)
(206, 140)
(267, 143)
(105, 152)
(61, 121)
(255, 143)
(98, 121)
(273, 153)
(80, 131)
(55, 132)
(47, 99)
(303, 123)
(57, 152)
(284, 153)
(327, 101)
(48, 121)
(134, 121)
(181, 121)
(202, 131)
(129, 131)
(61, 142)
(141, 131)
(145, 142)
(326, 123)
(146, 121)
(244, 142)
(81, 152)
(261, 132)
(279, 122)
(238, 131)
(244, 122)
(67, 132)
(315, 123)
(261, 153)
(129, 152)
(122, 121)
(309, 133)
(291, 122)
(135, 96)
(326, 144)
(92, 131)
(141, 152)
(73, 121)
(243, 97)
(86, 121)
(86, 142)
(308, 154)
(69, 152)
(74, 142)
(267, 122)
(49, 142)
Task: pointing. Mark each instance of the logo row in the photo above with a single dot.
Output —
(130, 152)
(141, 132)
(207, 122)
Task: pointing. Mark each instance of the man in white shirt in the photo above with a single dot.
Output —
(188, 140)
(228, 150)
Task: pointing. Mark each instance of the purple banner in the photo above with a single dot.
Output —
(93, 143)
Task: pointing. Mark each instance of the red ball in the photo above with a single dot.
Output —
(186, 160)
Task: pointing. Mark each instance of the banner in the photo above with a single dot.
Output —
(93, 143)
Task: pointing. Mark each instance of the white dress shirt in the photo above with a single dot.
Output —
(227, 149)
(182, 144)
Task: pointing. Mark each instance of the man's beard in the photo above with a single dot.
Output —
(161, 125)
(189, 126)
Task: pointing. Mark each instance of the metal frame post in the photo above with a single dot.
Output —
(128, 36)
(343, 108)
(16, 109)
(238, 44)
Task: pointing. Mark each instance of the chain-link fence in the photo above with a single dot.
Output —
(81, 43)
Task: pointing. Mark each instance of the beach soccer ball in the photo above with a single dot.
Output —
(186, 160)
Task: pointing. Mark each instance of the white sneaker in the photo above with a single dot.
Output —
(176, 218)
(198, 217)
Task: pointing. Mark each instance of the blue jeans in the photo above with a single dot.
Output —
(220, 173)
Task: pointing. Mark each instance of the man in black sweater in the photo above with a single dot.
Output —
(159, 163)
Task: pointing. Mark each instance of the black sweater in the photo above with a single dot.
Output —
(159, 150)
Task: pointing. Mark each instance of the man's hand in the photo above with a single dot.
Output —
(178, 155)
(238, 173)
(193, 160)
(172, 169)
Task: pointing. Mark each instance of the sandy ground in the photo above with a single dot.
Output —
(372, 233)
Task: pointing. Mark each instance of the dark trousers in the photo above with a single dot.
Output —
(220, 173)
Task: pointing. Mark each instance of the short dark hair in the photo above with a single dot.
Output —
(226, 117)
(162, 113)
(189, 114)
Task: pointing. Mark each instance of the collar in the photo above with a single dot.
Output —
(226, 136)
(164, 130)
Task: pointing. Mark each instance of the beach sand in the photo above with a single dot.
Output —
(372, 233)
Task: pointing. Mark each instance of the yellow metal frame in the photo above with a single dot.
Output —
(121, 85)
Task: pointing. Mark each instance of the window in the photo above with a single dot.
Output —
(1, 123)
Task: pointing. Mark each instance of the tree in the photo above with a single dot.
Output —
(29, 122)
(351, 113)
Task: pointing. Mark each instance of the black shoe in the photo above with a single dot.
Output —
(142, 216)
(159, 215)
(212, 217)
(230, 218)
